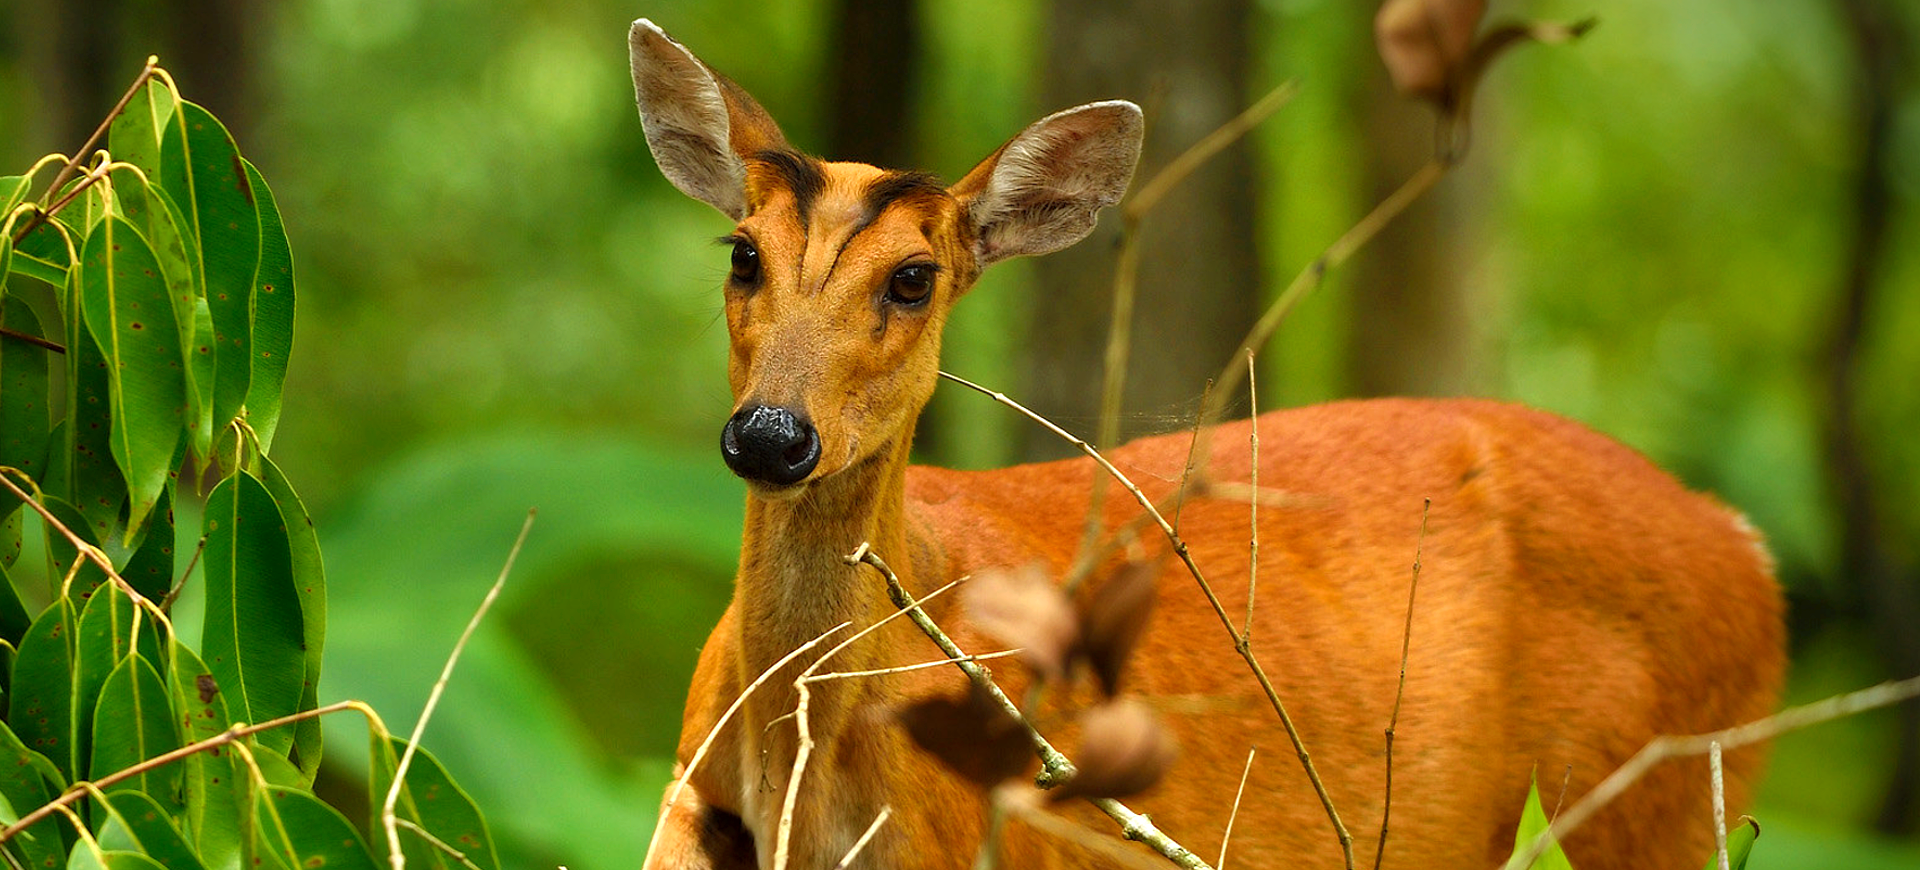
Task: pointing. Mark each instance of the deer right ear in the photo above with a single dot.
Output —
(700, 126)
(1044, 189)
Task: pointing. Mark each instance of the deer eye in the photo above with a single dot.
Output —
(911, 285)
(746, 263)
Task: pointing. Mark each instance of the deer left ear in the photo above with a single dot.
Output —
(700, 126)
(1044, 189)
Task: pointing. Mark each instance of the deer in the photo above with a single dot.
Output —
(1574, 602)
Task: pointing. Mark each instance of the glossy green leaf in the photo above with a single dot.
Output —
(310, 582)
(276, 769)
(200, 359)
(160, 220)
(1740, 837)
(25, 406)
(81, 466)
(61, 554)
(134, 136)
(432, 800)
(1533, 823)
(39, 707)
(21, 782)
(214, 784)
(273, 302)
(130, 315)
(201, 170)
(104, 638)
(149, 568)
(138, 824)
(42, 253)
(11, 526)
(13, 614)
(84, 859)
(134, 722)
(297, 832)
(253, 637)
(13, 191)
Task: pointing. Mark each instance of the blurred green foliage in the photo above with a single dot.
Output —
(504, 305)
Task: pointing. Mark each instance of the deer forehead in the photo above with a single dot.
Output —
(821, 224)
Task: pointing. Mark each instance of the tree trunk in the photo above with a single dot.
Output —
(1889, 591)
(1185, 62)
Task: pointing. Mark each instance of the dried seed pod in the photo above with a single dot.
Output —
(1123, 751)
(1023, 608)
(971, 735)
(1425, 42)
(1113, 620)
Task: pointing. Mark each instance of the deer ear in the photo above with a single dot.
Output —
(1044, 189)
(699, 124)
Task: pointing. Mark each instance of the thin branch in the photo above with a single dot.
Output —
(1719, 805)
(1227, 836)
(861, 844)
(1406, 645)
(83, 549)
(700, 754)
(440, 844)
(166, 604)
(32, 339)
(75, 792)
(1667, 747)
(59, 178)
(803, 727)
(388, 814)
(1176, 170)
(1253, 505)
(1078, 834)
(1193, 444)
(881, 672)
(1186, 557)
(1055, 767)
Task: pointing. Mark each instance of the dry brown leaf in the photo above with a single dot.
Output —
(971, 735)
(1123, 751)
(1115, 616)
(1023, 608)
(1424, 43)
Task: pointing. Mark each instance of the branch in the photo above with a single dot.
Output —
(77, 790)
(389, 817)
(860, 844)
(1055, 767)
(1667, 747)
(1227, 836)
(29, 338)
(1393, 721)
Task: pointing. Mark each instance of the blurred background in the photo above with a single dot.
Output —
(1694, 230)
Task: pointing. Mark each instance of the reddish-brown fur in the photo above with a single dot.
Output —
(1574, 600)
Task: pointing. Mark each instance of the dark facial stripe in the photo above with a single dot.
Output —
(802, 175)
(886, 189)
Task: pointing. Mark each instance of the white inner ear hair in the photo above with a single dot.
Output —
(685, 119)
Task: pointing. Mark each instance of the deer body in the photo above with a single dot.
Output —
(1574, 600)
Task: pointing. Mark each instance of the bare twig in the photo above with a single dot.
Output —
(230, 735)
(59, 178)
(1186, 557)
(29, 338)
(1055, 768)
(861, 844)
(83, 549)
(388, 808)
(700, 754)
(166, 604)
(440, 844)
(1719, 805)
(1406, 644)
(1080, 835)
(881, 672)
(1667, 747)
(1227, 836)
(803, 689)
(1253, 505)
(1193, 444)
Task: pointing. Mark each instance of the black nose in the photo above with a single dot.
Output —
(770, 445)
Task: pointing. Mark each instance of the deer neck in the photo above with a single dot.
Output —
(795, 581)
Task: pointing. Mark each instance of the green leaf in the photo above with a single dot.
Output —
(40, 706)
(134, 136)
(202, 171)
(200, 359)
(1533, 823)
(1740, 839)
(130, 315)
(22, 784)
(13, 191)
(81, 466)
(134, 722)
(273, 297)
(13, 614)
(84, 859)
(214, 783)
(138, 824)
(25, 408)
(432, 800)
(253, 637)
(310, 582)
(149, 569)
(61, 554)
(42, 253)
(159, 218)
(104, 638)
(300, 832)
